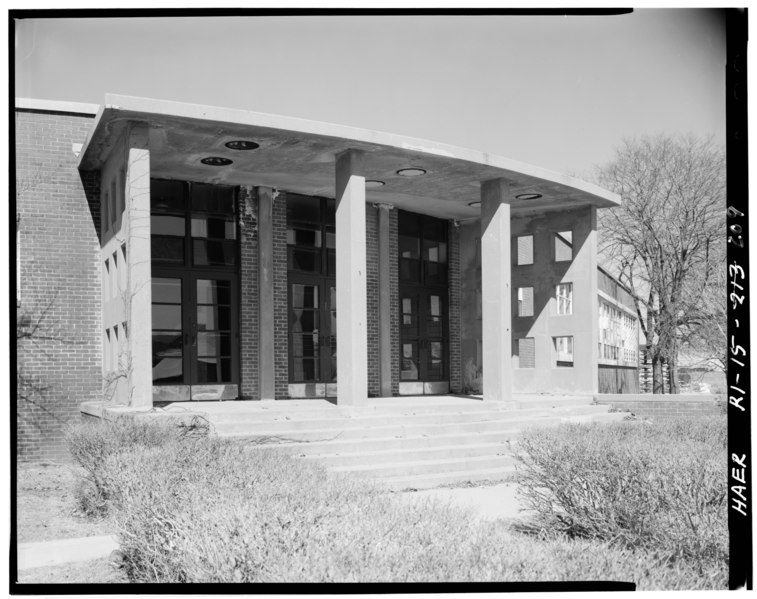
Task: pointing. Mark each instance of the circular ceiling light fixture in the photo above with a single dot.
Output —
(242, 144)
(528, 196)
(411, 172)
(374, 183)
(475, 204)
(216, 161)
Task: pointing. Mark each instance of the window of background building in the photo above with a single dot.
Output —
(564, 296)
(563, 350)
(525, 301)
(563, 246)
(526, 353)
(525, 253)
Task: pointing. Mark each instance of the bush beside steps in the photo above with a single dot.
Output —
(204, 509)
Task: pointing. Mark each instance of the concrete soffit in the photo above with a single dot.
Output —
(298, 155)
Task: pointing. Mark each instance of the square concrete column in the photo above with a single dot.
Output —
(351, 319)
(495, 290)
(266, 332)
(385, 301)
(137, 194)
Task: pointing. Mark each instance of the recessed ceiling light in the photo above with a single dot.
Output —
(475, 203)
(528, 196)
(216, 161)
(411, 172)
(373, 183)
(242, 144)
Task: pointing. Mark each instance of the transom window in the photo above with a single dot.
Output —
(564, 296)
(422, 249)
(193, 224)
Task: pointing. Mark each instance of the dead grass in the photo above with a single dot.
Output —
(45, 505)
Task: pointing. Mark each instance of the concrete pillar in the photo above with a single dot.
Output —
(139, 306)
(586, 306)
(266, 331)
(385, 304)
(351, 321)
(495, 290)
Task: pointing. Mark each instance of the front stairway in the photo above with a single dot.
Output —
(405, 442)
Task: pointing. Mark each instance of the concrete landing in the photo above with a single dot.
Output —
(54, 553)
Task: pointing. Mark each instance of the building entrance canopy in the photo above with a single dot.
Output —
(299, 155)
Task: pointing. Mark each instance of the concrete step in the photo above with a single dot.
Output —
(327, 428)
(403, 455)
(407, 468)
(438, 479)
(347, 446)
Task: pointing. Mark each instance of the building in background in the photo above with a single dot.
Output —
(173, 252)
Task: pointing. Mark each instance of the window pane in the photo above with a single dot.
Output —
(167, 249)
(212, 198)
(167, 225)
(435, 360)
(525, 301)
(435, 251)
(213, 370)
(167, 370)
(304, 260)
(303, 209)
(166, 344)
(305, 346)
(213, 318)
(213, 344)
(304, 321)
(409, 247)
(303, 370)
(525, 356)
(213, 227)
(167, 195)
(166, 291)
(409, 370)
(409, 224)
(213, 292)
(410, 270)
(306, 237)
(564, 350)
(525, 253)
(166, 317)
(214, 253)
(564, 246)
(304, 296)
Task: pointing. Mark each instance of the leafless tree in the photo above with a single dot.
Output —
(666, 241)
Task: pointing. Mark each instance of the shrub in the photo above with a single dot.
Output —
(91, 443)
(660, 487)
(212, 510)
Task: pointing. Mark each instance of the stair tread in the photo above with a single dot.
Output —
(388, 452)
(414, 463)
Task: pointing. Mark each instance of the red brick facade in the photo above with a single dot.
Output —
(249, 327)
(59, 366)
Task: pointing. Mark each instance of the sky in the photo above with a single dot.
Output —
(557, 92)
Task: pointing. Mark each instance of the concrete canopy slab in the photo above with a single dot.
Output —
(298, 155)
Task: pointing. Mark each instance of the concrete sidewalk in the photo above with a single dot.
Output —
(53, 553)
(486, 503)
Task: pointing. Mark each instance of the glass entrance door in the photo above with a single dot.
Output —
(424, 337)
(194, 337)
(423, 341)
(195, 311)
(312, 337)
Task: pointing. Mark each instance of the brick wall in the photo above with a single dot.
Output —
(248, 312)
(280, 313)
(665, 406)
(372, 303)
(455, 360)
(394, 297)
(57, 208)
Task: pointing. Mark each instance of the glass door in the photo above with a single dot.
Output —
(195, 311)
(312, 337)
(423, 339)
